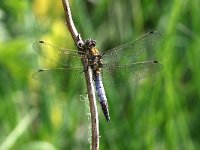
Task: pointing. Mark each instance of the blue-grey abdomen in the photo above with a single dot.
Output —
(102, 96)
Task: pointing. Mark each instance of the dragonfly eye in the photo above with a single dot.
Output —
(93, 43)
(89, 43)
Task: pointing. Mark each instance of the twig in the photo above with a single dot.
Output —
(88, 76)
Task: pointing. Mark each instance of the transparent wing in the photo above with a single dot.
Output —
(135, 51)
(129, 74)
(48, 73)
(70, 76)
(64, 57)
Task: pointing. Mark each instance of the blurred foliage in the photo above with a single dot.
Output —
(159, 113)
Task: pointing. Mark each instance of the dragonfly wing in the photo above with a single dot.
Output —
(64, 57)
(135, 51)
(130, 74)
(63, 75)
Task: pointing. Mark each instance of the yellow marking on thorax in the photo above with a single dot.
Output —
(95, 51)
(98, 71)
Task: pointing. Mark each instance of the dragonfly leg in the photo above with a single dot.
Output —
(85, 68)
(80, 43)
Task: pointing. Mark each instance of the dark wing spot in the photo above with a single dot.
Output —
(41, 41)
(155, 61)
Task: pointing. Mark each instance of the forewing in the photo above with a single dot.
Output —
(61, 56)
(139, 50)
(129, 74)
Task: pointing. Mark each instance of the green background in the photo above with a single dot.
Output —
(162, 112)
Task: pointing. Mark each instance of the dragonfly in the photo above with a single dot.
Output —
(131, 62)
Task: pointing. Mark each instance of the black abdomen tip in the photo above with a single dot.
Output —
(104, 106)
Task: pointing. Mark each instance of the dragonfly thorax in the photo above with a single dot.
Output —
(95, 63)
(93, 55)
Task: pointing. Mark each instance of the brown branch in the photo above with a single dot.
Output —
(88, 76)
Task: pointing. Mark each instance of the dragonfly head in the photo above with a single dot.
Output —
(89, 43)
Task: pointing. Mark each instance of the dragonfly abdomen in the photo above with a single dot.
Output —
(102, 96)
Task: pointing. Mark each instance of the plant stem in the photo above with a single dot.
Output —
(88, 76)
